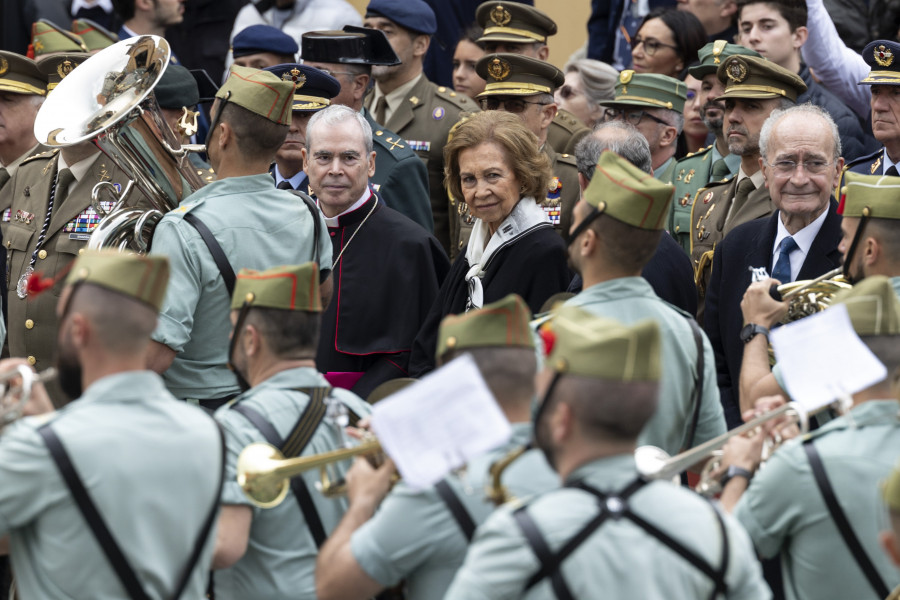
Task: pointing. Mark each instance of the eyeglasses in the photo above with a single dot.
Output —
(510, 105)
(333, 73)
(785, 168)
(632, 116)
(651, 45)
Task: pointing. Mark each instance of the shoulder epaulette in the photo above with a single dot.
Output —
(48, 155)
(699, 152)
(460, 101)
(568, 121)
(863, 159)
(567, 159)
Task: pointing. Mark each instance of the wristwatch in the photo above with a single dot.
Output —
(750, 330)
(734, 471)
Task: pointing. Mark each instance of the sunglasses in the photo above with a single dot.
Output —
(510, 105)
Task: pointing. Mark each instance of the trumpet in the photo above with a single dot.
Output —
(15, 396)
(264, 473)
(496, 492)
(812, 295)
(655, 463)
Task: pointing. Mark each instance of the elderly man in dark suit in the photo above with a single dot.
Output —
(801, 161)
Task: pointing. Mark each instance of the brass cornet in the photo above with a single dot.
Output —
(264, 473)
(495, 491)
(15, 397)
(810, 296)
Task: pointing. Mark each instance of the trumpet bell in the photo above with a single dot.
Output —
(257, 477)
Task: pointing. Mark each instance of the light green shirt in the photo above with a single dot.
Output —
(783, 510)
(631, 299)
(413, 536)
(280, 561)
(619, 560)
(258, 227)
(150, 465)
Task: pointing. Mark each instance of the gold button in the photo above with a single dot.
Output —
(31, 360)
(8, 244)
(81, 251)
(29, 324)
(42, 254)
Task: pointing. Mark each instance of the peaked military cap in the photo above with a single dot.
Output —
(591, 346)
(873, 306)
(712, 54)
(19, 75)
(872, 196)
(513, 22)
(292, 287)
(414, 15)
(891, 491)
(263, 38)
(621, 190)
(47, 37)
(649, 89)
(754, 77)
(142, 277)
(94, 35)
(504, 323)
(882, 56)
(56, 67)
(517, 75)
(177, 88)
(353, 45)
(260, 92)
(315, 88)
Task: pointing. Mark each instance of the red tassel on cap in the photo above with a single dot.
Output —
(30, 52)
(548, 336)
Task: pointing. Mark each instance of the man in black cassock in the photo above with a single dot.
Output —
(387, 269)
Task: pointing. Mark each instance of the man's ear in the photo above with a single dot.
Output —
(305, 157)
(420, 45)
(669, 136)
(548, 113)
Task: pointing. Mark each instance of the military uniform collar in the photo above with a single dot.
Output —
(289, 379)
(396, 97)
(607, 473)
(888, 163)
(613, 290)
(295, 181)
(81, 168)
(121, 387)
(871, 412)
(758, 179)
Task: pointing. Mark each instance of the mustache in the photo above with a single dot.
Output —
(736, 129)
(714, 104)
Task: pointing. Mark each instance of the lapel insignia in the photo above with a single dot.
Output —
(689, 176)
(680, 175)
(394, 144)
(414, 100)
(438, 113)
(554, 189)
(104, 174)
(707, 197)
(685, 198)
(883, 56)
(27, 191)
(875, 166)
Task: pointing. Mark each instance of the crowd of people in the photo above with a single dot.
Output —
(380, 193)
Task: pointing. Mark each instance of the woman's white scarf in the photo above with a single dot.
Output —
(524, 218)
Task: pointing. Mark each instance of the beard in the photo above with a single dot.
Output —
(748, 147)
(69, 373)
(236, 360)
(543, 440)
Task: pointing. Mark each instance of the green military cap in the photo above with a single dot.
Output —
(891, 491)
(754, 77)
(501, 323)
(56, 67)
(260, 92)
(143, 278)
(19, 75)
(873, 306)
(177, 88)
(872, 196)
(517, 75)
(513, 22)
(621, 190)
(94, 35)
(649, 89)
(47, 37)
(292, 287)
(712, 55)
(591, 346)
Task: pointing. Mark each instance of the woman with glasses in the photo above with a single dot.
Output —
(493, 163)
(667, 42)
(588, 83)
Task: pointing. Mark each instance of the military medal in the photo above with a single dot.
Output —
(22, 284)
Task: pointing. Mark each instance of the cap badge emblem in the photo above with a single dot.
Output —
(64, 68)
(625, 76)
(736, 71)
(500, 16)
(499, 69)
(4, 66)
(883, 56)
(718, 48)
(296, 76)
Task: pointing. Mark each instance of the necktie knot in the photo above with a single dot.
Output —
(4, 176)
(788, 245)
(63, 181)
(381, 110)
(782, 270)
(720, 170)
(892, 172)
(284, 184)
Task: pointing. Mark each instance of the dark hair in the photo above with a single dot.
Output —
(471, 34)
(793, 11)
(687, 31)
(256, 136)
(124, 8)
(288, 333)
(611, 410)
(624, 245)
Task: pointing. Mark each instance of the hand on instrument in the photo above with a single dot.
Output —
(743, 451)
(759, 307)
(780, 429)
(39, 402)
(366, 483)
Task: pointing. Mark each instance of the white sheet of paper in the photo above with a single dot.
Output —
(440, 423)
(822, 358)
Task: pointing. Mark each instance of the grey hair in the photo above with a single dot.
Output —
(37, 100)
(804, 110)
(672, 117)
(619, 136)
(598, 79)
(335, 114)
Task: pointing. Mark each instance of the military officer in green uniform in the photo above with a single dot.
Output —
(754, 87)
(216, 231)
(783, 508)
(400, 177)
(524, 86)
(655, 105)
(630, 538)
(150, 466)
(616, 229)
(713, 163)
(404, 101)
(48, 224)
(271, 553)
(421, 536)
(511, 27)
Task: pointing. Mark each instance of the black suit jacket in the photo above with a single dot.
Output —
(750, 245)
